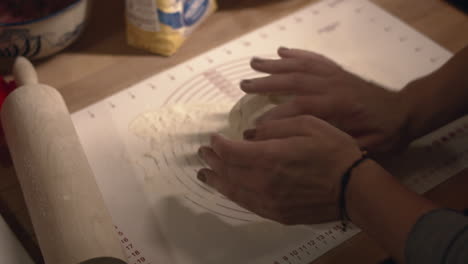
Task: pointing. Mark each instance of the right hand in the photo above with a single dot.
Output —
(374, 116)
(290, 173)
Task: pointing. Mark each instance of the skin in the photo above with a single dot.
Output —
(353, 105)
(282, 178)
(289, 168)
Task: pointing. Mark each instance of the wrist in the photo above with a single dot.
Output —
(362, 178)
(417, 99)
(372, 188)
(404, 115)
(343, 213)
(436, 99)
(384, 208)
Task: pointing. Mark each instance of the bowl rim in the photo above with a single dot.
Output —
(22, 23)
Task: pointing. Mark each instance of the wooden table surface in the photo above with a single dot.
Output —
(101, 63)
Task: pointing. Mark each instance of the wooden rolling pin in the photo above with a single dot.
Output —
(68, 213)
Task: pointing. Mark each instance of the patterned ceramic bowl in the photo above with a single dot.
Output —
(44, 36)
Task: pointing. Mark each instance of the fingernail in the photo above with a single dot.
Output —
(246, 86)
(257, 60)
(259, 120)
(201, 176)
(246, 83)
(215, 138)
(201, 153)
(250, 134)
(283, 48)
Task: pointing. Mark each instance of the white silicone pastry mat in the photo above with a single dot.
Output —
(144, 156)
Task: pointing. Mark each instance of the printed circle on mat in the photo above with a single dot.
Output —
(220, 82)
(173, 133)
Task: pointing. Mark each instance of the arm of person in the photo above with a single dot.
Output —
(291, 172)
(383, 208)
(438, 98)
(410, 227)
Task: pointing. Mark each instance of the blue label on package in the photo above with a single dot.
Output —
(192, 13)
(194, 10)
(174, 20)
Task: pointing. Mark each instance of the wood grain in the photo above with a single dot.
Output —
(67, 210)
(100, 64)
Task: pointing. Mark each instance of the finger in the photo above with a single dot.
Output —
(288, 109)
(240, 176)
(300, 126)
(282, 84)
(238, 194)
(211, 158)
(244, 153)
(287, 65)
(209, 177)
(246, 176)
(317, 106)
(374, 144)
(287, 53)
(219, 182)
(314, 63)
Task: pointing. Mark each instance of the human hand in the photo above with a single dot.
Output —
(290, 172)
(374, 116)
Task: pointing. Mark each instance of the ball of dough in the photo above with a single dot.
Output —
(250, 107)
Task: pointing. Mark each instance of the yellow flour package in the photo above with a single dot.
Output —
(161, 26)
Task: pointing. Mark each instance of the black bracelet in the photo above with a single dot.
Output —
(344, 217)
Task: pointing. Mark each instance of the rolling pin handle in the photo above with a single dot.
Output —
(24, 72)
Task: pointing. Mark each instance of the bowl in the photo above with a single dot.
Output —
(44, 36)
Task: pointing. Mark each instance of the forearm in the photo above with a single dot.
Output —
(383, 208)
(438, 98)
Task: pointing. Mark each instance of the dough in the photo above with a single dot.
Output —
(250, 107)
(180, 123)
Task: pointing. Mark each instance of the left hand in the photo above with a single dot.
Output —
(290, 173)
(376, 117)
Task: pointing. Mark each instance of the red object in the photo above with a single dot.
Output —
(6, 88)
